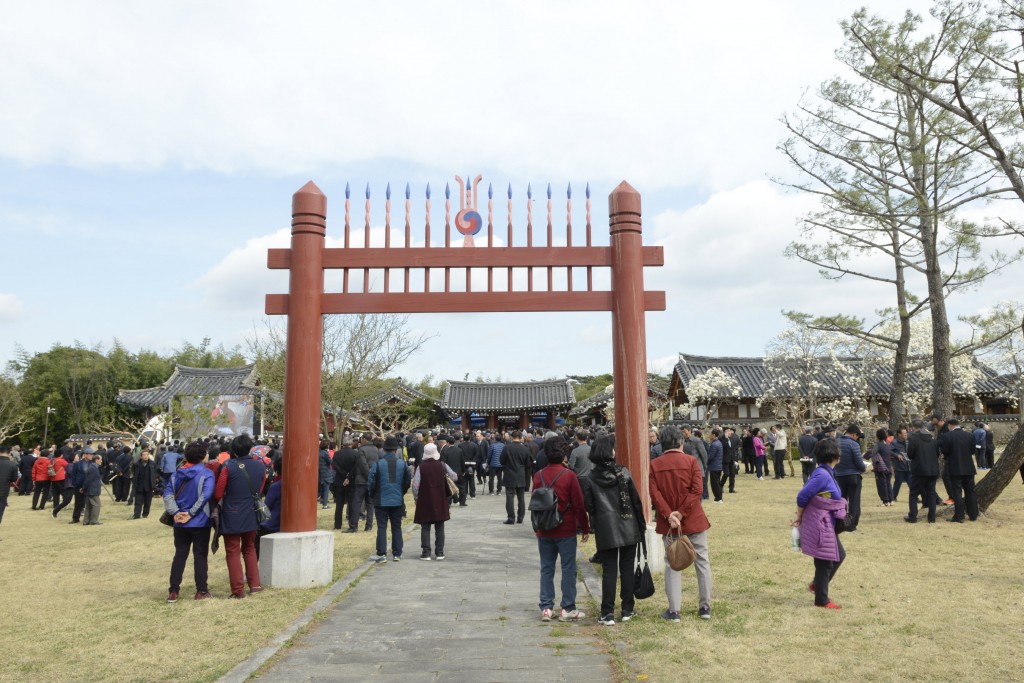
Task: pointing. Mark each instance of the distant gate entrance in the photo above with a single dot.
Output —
(306, 303)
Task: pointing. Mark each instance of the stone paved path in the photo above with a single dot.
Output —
(471, 618)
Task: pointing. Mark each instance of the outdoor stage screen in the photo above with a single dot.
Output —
(225, 415)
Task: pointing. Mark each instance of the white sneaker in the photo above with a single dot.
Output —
(574, 615)
(545, 615)
(607, 620)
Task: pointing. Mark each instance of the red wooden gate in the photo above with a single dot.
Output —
(306, 303)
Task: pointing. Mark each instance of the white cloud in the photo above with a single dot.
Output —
(666, 94)
(11, 308)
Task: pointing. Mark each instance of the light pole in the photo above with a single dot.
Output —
(46, 425)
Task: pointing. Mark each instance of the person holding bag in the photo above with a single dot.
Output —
(676, 486)
(430, 490)
(820, 513)
(616, 517)
(238, 486)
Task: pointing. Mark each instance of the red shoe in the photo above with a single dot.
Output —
(172, 596)
(830, 605)
(811, 587)
(257, 589)
(203, 595)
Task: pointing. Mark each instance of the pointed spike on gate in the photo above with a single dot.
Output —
(529, 190)
(549, 190)
(490, 191)
(568, 191)
(624, 200)
(447, 191)
(428, 190)
(510, 190)
(407, 194)
(367, 190)
(588, 190)
(348, 191)
(387, 191)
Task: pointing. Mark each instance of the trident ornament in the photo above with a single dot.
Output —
(468, 220)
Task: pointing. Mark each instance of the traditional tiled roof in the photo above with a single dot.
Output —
(396, 390)
(752, 374)
(655, 392)
(186, 381)
(512, 397)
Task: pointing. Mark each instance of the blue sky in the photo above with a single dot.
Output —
(149, 153)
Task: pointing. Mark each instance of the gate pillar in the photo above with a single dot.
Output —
(629, 337)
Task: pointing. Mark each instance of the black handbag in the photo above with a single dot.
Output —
(643, 582)
(259, 506)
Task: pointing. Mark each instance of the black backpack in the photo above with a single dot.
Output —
(544, 512)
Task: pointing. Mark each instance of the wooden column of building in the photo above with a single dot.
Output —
(305, 353)
(467, 422)
(629, 337)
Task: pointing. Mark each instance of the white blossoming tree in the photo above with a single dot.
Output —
(707, 392)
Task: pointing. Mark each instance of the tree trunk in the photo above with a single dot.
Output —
(899, 368)
(921, 172)
(1002, 472)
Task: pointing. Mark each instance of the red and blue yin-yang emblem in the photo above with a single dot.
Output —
(468, 222)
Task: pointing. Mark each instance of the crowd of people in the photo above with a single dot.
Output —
(210, 488)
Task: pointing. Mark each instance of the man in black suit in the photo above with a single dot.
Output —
(728, 459)
(467, 475)
(344, 466)
(957, 446)
(923, 453)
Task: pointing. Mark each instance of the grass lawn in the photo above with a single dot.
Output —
(82, 604)
(921, 602)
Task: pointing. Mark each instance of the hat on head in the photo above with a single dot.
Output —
(445, 437)
(392, 443)
(430, 452)
(854, 429)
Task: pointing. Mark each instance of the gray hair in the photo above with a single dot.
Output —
(670, 437)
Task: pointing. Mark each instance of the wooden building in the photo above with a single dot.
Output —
(514, 404)
(594, 410)
(753, 375)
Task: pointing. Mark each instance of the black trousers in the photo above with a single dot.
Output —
(716, 484)
(61, 500)
(616, 563)
(807, 468)
(463, 485)
(729, 474)
(883, 484)
(777, 460)
(515, 494)
(25, 485)
(342, 498)
(438, 537)
(122, 487)
(360, 498)
(3, 506)
(824, 570)
(143, 499)
(849, 486)
(963, 493)
(76, 512)
(924, 487)
(40, 494)
(748, 463)
(198, 541)
(492, 474)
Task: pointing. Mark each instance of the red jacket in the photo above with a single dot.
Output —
(39, 469)
(58, 466)
(570, 501)
(677, 485)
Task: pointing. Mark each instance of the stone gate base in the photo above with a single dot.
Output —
(297, 559)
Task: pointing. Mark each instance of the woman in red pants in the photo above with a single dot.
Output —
(239, 481)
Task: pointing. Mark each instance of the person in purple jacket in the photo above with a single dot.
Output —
(818, 505)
